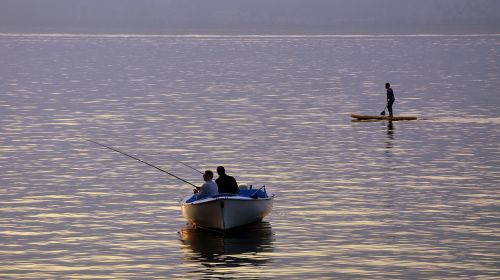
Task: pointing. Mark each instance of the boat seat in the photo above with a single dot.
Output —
(224, 194)
(261, 193)
(256, 193)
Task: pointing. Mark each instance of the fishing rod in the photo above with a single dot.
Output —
(185, 164)
(140, 160)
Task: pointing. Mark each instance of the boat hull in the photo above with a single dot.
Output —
(225, 212)
(388, 118)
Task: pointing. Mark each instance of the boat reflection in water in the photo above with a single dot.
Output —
(241, 246)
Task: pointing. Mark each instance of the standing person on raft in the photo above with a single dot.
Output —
(390, 99)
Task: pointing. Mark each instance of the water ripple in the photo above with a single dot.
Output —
(369, 200)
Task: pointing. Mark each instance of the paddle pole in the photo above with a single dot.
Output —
(383, 112)
(140, 160)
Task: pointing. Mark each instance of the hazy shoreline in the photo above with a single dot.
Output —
(250, 36)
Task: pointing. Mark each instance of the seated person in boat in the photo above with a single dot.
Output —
(209, 188)
(226, 183)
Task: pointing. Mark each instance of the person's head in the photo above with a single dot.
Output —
(208, 175)
(221, 170)
(387, 85)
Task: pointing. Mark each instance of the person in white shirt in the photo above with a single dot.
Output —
(209, 188)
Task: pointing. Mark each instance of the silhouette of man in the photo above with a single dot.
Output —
(226, 183)
(390, 98)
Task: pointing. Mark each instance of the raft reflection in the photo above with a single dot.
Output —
(389, 143)
(234, 248)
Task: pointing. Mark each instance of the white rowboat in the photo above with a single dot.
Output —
(226, 211)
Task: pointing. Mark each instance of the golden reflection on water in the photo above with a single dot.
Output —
(376, 200)
(236, 253)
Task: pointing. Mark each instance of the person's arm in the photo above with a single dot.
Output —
(235, 184)
(390, 95)
(201, 192)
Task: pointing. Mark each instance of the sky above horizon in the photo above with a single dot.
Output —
(250, 16)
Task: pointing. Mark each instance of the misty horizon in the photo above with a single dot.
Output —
(250, 17)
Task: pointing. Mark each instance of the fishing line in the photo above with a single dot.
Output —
(140, 160)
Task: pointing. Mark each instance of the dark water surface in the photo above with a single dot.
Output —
(369, 200)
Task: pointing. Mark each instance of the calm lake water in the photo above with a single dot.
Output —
(354, 200)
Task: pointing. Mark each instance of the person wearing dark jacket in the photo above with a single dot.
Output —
(390, 98)
(226, 183)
